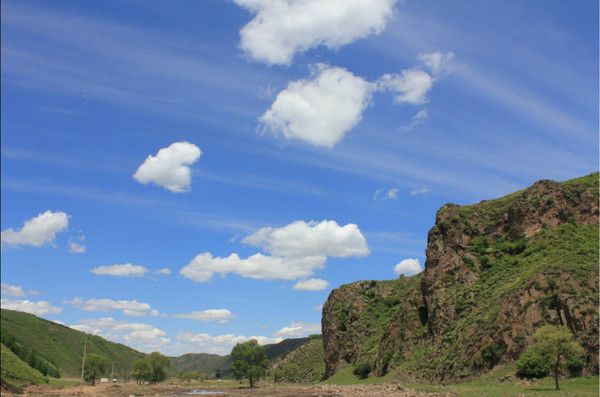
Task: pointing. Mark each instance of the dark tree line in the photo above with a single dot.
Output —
(30, 356)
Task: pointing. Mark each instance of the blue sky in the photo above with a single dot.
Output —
(331, 140)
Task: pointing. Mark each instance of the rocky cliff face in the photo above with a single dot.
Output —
(495, 272)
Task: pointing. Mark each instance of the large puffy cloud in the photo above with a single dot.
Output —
(170, 168)
(299, 329)
(281, 28)
(36, 231)
(321, 110)
(302, 239)
(215, 344)
(313, 284)
(295, 251)
(214, 315)
(258, 266)
(38, 308)
(141, 336)
(123, 270)
(128, 307)
(408, 267)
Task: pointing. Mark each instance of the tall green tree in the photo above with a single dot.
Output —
(95, 366)
(553, 347)
(157, 364)
(249, 361)
(140, 371)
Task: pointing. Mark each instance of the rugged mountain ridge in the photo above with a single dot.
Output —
(495, 272)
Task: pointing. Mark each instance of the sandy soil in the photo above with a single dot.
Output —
(173, 390)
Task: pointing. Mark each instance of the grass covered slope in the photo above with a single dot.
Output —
(15, 373)
(60, 345)
(303, 364)
(495, 272)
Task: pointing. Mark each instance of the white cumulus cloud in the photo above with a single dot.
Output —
(210, 315)
(36, 231)
(305, 239)
(123, 270)
(321, 110)
(163, 272)
(299, 329)
(408, 267)
(313, 284)
(170, 168)
(128, 307)
(141, 336)
(258, 266)
(293, 251)
(34, 307)
(282, 28)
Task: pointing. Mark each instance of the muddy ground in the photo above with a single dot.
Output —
(178, 390)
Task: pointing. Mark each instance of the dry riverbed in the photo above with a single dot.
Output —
(179, 390)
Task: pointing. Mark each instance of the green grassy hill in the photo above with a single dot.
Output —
(15, 373)
(303, 364)
(60, 345)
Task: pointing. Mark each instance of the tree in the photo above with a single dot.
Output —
(141, 370)
(249, 361)
(95, 366)
(156, 365)
(553, 347)
(218, 374)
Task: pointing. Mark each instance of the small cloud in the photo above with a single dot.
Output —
(419, 191)
(313, 284)
(438, 62)
(163, 272)
(12, 290)
(419, 118)
(170, 168)
(37, 231)
(123, 270)
(210, 315)
(385, 194)
(299, 329)
(75, 248)
(411, 86)
(131, 308)
(408, 267)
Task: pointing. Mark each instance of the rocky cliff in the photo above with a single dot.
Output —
(495, 272)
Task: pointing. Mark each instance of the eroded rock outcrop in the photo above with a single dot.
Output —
(495, 272)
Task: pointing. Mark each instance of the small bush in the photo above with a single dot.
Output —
(362, 370)
(575, 366)
(532, 364)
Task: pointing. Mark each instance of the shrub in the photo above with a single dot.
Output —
(533, 364)
(362, 370)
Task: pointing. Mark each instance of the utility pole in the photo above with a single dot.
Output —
(83, 361)
(112, 371)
